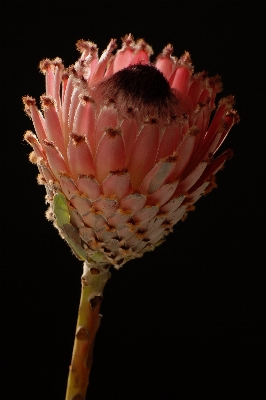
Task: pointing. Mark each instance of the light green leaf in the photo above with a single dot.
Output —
(68, 231)
(61, 210)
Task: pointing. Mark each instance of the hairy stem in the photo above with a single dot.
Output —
(93, 281)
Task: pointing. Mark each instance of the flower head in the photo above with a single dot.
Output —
(125, 147)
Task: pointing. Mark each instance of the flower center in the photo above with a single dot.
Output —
(142, 89)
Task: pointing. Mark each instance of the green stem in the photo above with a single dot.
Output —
(93, 281)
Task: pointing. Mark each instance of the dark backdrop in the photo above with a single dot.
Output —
(183, 322)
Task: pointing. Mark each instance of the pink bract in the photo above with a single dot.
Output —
(128, 143)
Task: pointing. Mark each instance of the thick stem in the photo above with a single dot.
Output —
(93, 281)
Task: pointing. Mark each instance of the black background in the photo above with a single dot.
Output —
(184, 321)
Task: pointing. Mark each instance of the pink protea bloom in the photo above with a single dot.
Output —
(128, 144)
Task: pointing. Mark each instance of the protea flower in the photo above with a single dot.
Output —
(124, 148)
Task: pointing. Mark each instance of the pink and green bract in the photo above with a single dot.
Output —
(125, 147)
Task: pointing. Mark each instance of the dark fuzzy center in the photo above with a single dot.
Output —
(142, 82)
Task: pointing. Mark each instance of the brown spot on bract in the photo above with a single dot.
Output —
(84, 282)
(28, 101)
(57, 62)
(46, 142)
(40, 179)
(212, 185)
(78, 397)
(86, 99)
(76, 139)
(111, 132)
(194, 130)
(46, 101)
(95, 301)
(45, 64)
(65, 75)
(94, 271)
(84, 45)
(82, 334)
(33, 158)
(184, 217)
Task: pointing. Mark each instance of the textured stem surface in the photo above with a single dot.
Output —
(93, 281)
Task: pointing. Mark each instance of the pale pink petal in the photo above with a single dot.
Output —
(122, 59)
(229, 121)
(180, 79)
(106, 206)
(113, 244)
(156, 235)
(165, 65)
(52, 123)
(66, 105)
(174, 217)
(49, 82)
(100, 68)
(55, 160)
(75, 218)
(140, 246)
(32, 140)
(184, 131)
(188, 182)
(72, 109)
(133, 202)
(110, 68)
(120, 218)
(129, 130)
(204, 96)
(141, 57)
(81, 203)
(143, 154)
(127, 231)
(94, 220)
(134, 240)
(117, 184)
(93, 67)
(154, 224)
(106, 119)
(213, 168)
(46, 172)
(145, 215)
(158, 175)
(65, 77)
(213, 139)
(68, 186)
(37, 118)
(58, 70)
(110, 155)
(165, 62)
(194, 195)
(89, 186)
(183, 156)
(84, 121)
(86, 234)
(216, 122)
(194, 91)
(142, 53)
(169, 142)
(213, 145)
(162, 195)
(106, 233)
(79, 157)
(172, 204)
